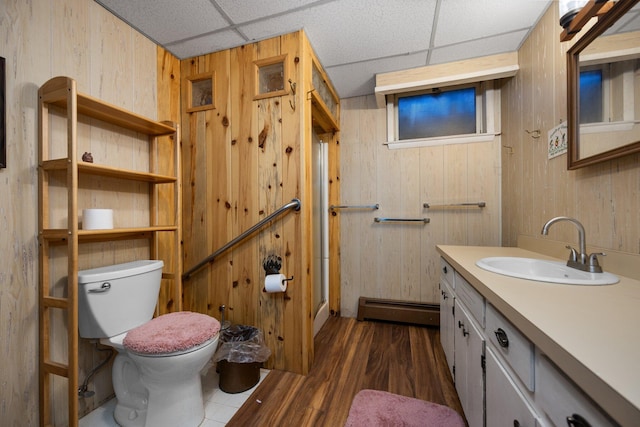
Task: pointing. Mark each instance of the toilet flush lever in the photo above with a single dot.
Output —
(104, 288)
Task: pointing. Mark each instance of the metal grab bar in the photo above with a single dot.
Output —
(333, 207)
(423, 220)
(295, 203)
(455, 205)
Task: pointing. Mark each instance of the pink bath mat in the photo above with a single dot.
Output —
(172, 332)
(374, 408)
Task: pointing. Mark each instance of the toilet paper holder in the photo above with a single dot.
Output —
(272, 265)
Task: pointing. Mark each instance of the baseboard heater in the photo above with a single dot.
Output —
(399, 311)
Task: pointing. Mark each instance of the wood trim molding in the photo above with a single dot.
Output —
(449, 74)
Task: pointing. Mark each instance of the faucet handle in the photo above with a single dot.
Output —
(574, 254)
(594, 265)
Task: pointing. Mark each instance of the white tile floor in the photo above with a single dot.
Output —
(219, 407)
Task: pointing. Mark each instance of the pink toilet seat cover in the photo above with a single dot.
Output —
(172, 332)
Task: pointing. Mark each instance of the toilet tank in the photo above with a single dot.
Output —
(117, 298)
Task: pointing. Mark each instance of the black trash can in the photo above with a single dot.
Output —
(239, 357)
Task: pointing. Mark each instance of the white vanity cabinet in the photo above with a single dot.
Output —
(506, 405)
(447, 316)
(468, 357)
(501, 377)
(562, 401)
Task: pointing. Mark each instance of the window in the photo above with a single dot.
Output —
(437, 113)
(607, 94)
(591, 96)
(440, 116)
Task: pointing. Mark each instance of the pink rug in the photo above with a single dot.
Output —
(374, 408)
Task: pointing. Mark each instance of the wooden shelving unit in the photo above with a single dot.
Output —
(61, 94)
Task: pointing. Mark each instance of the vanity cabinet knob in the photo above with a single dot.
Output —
(502, 338)
(464, 332)
(516, 423)
(576, 420)
(444, 269)
(460, 324)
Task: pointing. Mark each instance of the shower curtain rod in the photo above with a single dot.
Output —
(295, 203)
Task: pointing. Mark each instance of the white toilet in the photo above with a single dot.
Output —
(156, 374)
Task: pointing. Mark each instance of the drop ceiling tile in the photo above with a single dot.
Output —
(245, 11)
(477, 48)
(358, 79)
(341, 32)
(469, 20)
(206, 44)
(168, 20)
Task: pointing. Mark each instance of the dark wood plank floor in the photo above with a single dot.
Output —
(351, 356)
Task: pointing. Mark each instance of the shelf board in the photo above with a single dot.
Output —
(55, 91)
(61, 235)
(108, 171)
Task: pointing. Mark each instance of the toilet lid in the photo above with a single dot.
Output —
(171, 333)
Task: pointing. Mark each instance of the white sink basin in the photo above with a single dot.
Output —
(544, 271)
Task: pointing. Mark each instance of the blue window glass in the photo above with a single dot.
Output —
(591, 104)
(437, 114)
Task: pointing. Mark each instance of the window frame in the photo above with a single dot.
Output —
(487, 97)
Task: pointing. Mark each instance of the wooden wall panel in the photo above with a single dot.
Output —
(111, 61)
(294, 342)
(603, 197)
(399, 261)
(244, 160)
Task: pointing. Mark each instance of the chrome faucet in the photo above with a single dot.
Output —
(577, 259)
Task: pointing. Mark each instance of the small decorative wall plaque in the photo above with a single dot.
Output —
(557, 140)
(200, 91)
(271, 77)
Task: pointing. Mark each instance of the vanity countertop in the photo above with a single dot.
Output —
(592, 333)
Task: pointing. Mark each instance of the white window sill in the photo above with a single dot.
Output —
(607, 127)
(432, 142)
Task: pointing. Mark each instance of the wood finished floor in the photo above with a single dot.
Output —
(351, 356)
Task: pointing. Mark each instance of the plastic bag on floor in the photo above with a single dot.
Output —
(242, 344)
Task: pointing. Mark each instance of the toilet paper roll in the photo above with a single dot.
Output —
(275, 283)
(97, 219)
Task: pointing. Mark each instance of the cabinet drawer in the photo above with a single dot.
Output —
(471, 298)
(506, 405)
(560, 398)
(517, 350)
(446, 272)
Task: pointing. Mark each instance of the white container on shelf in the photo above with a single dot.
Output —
(97, 219)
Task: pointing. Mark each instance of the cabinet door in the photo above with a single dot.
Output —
(447, 330)
(562, 400)
(469, 380)
(505, 403)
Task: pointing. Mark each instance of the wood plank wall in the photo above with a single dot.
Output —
(399, 261)
(243, 160)
(604, 197)
(111, 61)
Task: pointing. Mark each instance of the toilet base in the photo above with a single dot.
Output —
(160, 391)
(184, 407)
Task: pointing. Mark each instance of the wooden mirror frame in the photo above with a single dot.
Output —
(573, 91)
